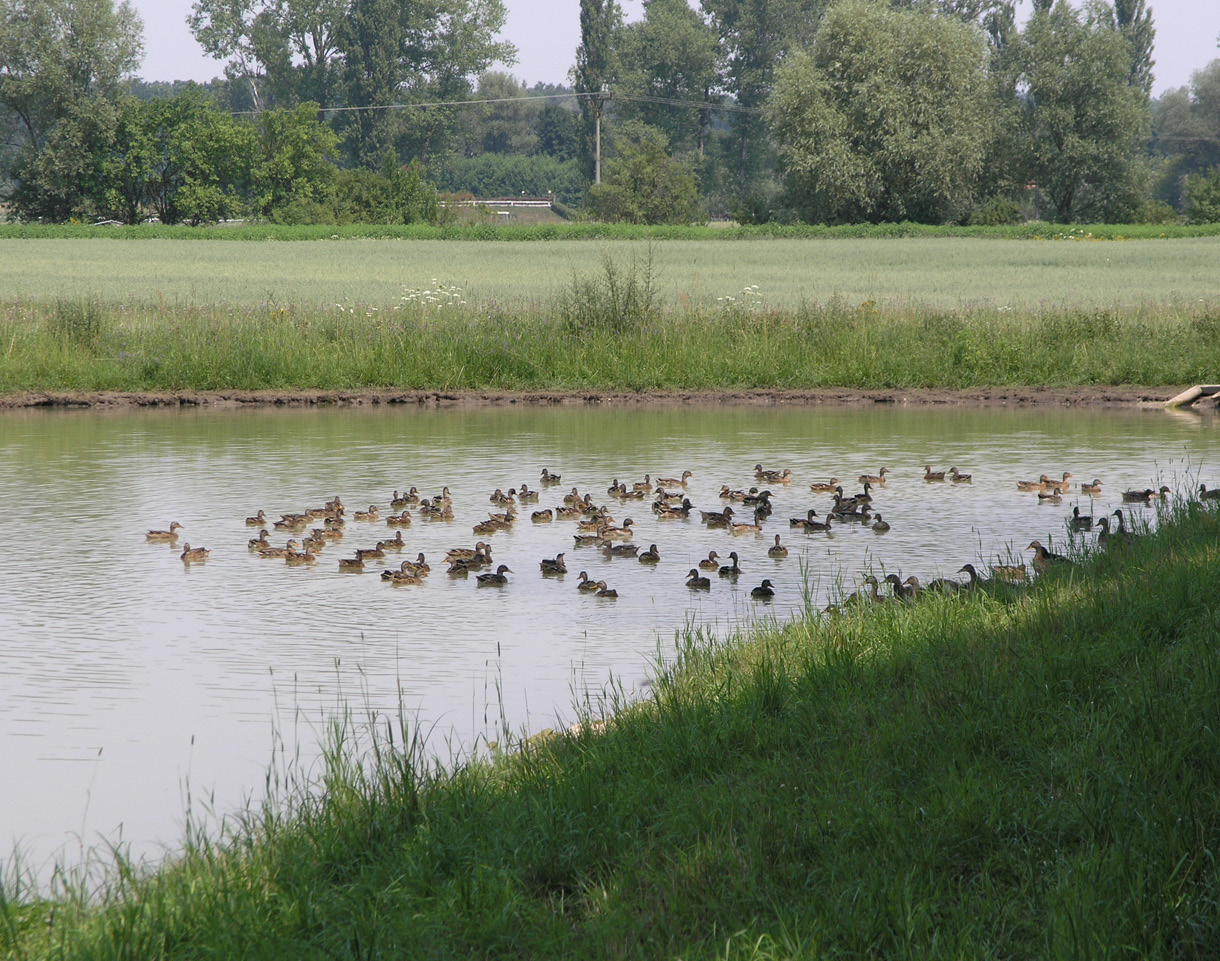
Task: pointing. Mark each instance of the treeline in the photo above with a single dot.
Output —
(822, 111)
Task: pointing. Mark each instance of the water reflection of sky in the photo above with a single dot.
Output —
(127, 681)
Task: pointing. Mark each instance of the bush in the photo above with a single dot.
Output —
(1203, 197)
(996, 212)
(505, 175)
(644, 185)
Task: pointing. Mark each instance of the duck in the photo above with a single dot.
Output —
(902, 590)
(1122, 533)
(553, 565)
(758, 499)
(549, 478)
(1013, 573)
(405, 578)
(588, 540)
(418, 566)
(1050, 497)
(1044, 558)
(731, 570)
(644, 486)
(879, 525)
(376, 553)
(809, 525)
(1103, 531)
(568, 513)
(877, 480)
(972, 577)
(1093, 489)
(676, 481)
(527, 496)
(1138, 496)
(604, 591)
(395, 543)
(399, 501)
(944, 585)
(459, 568)
(1208, 495)
(501, 499)
(679, 512)
(164, 537)
(773, 476)
(859, 598)
(279, 552)
(650, 556)
(1037, 485)
(620, 550)
(542, 517)
(584, 584)
(257, 543)
(697, 582)
(191, 555)
(296, 558)
(1081, 522)
(351, 565)
(745, 528)
(314, 543)
(495, 578)
(371, 514)
(399, 520)
(573, 497)
(828, 488)
(778, 551)
(764, 591)
(291, 522)
(258, 520)
(718, 518)
(1058, 486)
(710, 563)
(623, 533)
(466, 553)
(960, 478)
(932, 475)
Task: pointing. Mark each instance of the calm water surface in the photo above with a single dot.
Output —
(129, 682)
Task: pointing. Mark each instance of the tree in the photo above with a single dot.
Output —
(1203, 197)
(886, 118)
(1134, 22)
(672, 54)
(295, 162)
(62, 65)
(1186, 132)
(644, 185)
(594, 69)
(1083, 124)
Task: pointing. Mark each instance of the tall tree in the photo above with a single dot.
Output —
(594, 70)
(1083, 124)
(886, 119)
(672, 54)
(1134, 22)
(1186, 132)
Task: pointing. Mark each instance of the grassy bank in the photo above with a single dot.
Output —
(597, 338)
(1021, 774)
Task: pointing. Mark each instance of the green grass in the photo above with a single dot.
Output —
(947, 273)
(596, 339)
(1028, 775)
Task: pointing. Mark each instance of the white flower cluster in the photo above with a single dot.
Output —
(438, 296)
(747, 298)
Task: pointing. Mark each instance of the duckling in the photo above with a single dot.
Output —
(495, 578)
(604, 591)
(191, 555)
(258, 543)
(1208, 495)
(584, 584)
(164, 537)
(675, 481)
(351, 565)
(258, 520)
(1043, 558)
(960, 478)
(879, 525)
(697, 582)
(778, 551)
(828, 488)
(543, 517)
(932, 475)
(710, 563)
(553, 565)
(395, 543)
(1081, 522)
(763, 591)
(371, 514)
(1093, 490)
(877, 480)
(731, 570)
(650, 556)
(549, 478)
(279, 552)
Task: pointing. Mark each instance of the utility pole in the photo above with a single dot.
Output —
(598, 99)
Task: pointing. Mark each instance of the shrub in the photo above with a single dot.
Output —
(1203, 197)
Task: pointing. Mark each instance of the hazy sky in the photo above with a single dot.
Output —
(546, 33)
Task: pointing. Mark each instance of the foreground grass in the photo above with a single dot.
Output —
(601, 341)
(952, 273)
(1028, 775)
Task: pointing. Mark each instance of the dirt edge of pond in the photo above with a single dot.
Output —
(1120, 396)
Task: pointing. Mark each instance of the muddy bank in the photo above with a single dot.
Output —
(1122, 396)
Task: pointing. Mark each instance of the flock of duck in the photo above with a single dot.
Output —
(319, 528)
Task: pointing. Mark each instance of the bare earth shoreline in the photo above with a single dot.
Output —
(1107, 396)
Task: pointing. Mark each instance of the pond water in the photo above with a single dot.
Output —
(130, 681)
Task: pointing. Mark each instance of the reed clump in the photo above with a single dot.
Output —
(1033, 773)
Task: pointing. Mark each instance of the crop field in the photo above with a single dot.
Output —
(941, 273)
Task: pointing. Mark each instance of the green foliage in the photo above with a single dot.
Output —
(886, 118)
(996, 212)
(1186, 132)
(621, 297)
(644, 185)
(1203, 197)
(509, 175)
(295, 160)
(1083, 123)
(393, 195)
(594, 69)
